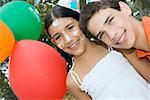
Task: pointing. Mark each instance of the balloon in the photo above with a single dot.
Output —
(7, 41)
(23, 19)
(37, 71)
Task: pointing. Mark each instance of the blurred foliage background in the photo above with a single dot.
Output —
(139, 8)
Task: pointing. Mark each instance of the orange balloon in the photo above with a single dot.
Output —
(7, 41)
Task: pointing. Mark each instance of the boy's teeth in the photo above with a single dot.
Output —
(121, 38)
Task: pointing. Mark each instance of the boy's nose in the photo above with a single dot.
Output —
(112, 31)
(111, 35)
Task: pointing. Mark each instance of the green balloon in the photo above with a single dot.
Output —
(23, 19)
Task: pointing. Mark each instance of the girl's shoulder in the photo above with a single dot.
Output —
(69, 81)
(71, 85)
(75, 90)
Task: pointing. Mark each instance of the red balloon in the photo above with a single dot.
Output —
(37, 71)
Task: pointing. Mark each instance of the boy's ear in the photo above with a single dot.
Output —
(125, 8)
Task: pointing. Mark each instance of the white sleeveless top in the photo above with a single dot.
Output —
(113, 78)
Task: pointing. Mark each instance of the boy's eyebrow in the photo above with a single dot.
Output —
(98, 34)
(104, 23)
(107, 19)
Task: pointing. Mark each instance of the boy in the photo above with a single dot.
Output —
(111, 22)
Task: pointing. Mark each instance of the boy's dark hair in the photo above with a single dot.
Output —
(91, 8)
(60, 12)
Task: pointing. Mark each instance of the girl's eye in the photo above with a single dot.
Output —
(71, 27)
(57, 36)
(100, 35)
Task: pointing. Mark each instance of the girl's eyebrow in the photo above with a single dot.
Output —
(68, 25)
(55, 35)
(65, 27)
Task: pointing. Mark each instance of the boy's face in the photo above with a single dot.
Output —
(113, 27)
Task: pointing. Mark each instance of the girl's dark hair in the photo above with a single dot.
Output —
(60, 12)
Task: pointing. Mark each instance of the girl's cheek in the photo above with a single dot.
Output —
(60, 45)
(67, 37)
(75, 33)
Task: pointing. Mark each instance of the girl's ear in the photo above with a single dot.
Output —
(125, 8)
(52, 40)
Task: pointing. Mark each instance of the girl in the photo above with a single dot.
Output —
(97, 73)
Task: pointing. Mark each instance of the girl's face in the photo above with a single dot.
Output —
(66, 35)
(113, 27)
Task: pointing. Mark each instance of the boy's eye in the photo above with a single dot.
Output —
(110, 20)
(100, 35)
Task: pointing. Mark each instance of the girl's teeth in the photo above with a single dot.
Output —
(74, 44)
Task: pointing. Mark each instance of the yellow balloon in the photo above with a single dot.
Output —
(7, 41)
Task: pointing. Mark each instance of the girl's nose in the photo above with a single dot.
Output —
(67, 37)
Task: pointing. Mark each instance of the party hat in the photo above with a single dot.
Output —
(71, 4)
(88, 1)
